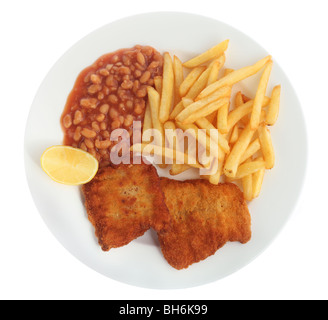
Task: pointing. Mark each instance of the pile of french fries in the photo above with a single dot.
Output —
(197, 95)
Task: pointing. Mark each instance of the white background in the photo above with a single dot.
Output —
(35, 34)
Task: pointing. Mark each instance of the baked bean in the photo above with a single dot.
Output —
(89, 143)
(77, 134)
(113, 99)
(124, 70)
(139, 107)
(126, 60)
(105, 144)
(103, 125)
(153, 65)
(104, 108)
(95, 126)
(100, 117)
(141, 58)
(94, 88)
(104, 72)
(145, 77)
(142, 92)
(101, 96)
(105, 134)
(67, 120)
(128, 120)
(137, 73)
(115, 58)
(113, 113)
(116, 124)
(96, 79)
(111, 81)
(88, 133)
(109, 66)
(129, 104)
(115, 85)
(89, 103)
(127, 84)
(121, 118)
(78, 117)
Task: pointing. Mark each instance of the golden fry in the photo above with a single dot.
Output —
(167, 89)
(251, 150)
(158, 80)
(147, 124)
(149, 149)
(215, 69)
(189, 80)
(266, 146)
(247, 183)
(259, 97)
(274, 105)
(238, 113)
(203, 123)
(199, 84)
(258, 181)
(179, 168)
(234, 135)
(178, 78)
(210, 54)
(233, 159)
(194, 107)
(249, 168)
(207, 110)
(234, 77)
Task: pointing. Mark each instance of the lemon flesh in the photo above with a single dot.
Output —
(68, 165)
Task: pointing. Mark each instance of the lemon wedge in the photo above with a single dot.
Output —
(68, 165)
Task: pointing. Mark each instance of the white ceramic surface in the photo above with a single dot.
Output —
(141, 263)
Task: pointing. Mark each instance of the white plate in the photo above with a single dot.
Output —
(141, 263)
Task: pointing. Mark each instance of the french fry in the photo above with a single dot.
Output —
(266, 146)
(222, 115)
(167, 89)
(222, 118)
(249, 168)
(147, 124)
(215, 178)
(176, 110)
(274, 105)
(233, 159)
(234, 77)
(194, 107)
(258, 181)
(210, 54)
(204, 141)
(149, 149)
(189, 80)
(199, 84)
(215, 69)
(154, 103)
(259, 97)
(207, 110)
(247, 184)
(203, 123)
(179, 168)
(251, 150)
(243, 110)
(239, 99)
(178, 78)
(234, 135)
(158, 84)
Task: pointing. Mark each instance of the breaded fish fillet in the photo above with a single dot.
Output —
(203, 218)
(123, 203)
